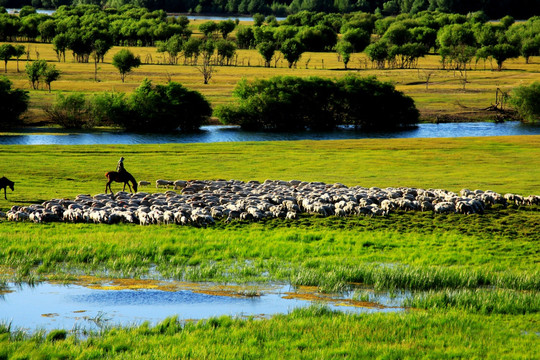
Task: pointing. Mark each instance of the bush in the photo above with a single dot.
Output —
(168, 107)
(12, 103)
(70, 111)
(291, 103)
(526, 100)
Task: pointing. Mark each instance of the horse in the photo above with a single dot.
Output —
(4, 183)
(121, 177)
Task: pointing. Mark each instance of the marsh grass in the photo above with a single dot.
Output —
(315, 333)
(479, 301)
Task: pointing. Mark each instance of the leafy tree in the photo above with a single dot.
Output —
(502, 52)
(245, 37)
(173, 46)
(208, 28)
(293, 103)
(20, 50)
(50, 74)
(378, 53)
(457, 44)
(292, 50)
(60, 45)
(358, 38)
(267, 50)
(35, 71)
(530, 47)
(526, 99)
(225, 51)
(47, 30)
(207, 69)
(225, 27)
(162, 108)
(258, 19)
(345, 49)
(7, 51)
(13, 102)
(125, 61)
(192, 49)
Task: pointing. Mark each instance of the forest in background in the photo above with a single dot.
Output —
(494, 9)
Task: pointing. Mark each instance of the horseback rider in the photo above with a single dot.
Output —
(120, 167)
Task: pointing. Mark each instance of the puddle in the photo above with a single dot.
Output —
(91, 303)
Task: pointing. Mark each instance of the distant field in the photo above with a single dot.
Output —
(445, 95)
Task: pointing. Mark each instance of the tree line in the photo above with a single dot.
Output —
(495, 9)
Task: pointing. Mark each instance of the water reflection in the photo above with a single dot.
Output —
(211, 134)
(52, 306)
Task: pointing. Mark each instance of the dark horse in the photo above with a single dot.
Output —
(4, 183)
(121, 177)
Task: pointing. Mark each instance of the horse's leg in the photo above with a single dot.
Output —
(108, 185)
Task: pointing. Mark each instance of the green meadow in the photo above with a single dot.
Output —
(475, 279)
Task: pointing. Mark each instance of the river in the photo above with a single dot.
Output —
(219, 133)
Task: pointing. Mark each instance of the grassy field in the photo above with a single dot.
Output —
(503, 164)
(445, 96)
(476, 279)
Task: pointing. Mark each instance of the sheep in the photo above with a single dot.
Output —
(179, 184)
(144, 183)
(163, 183)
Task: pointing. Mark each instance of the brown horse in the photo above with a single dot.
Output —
(4, 183)
(121, 177)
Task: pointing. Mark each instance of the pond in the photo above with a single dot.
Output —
(90, 304)
(211, 134)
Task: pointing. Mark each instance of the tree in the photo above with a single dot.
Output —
(225, 27)
(13, 102)
(207, 49)
(345, 49)
(50, 74)
(293, 103)
(267, 50)
(20, 50)
(163, 108)
(208, 28)
(100, 47)
(7, 51)
(34, 71)
(457, 44)
(292, 50)
(225, 51)
(60, 44)
(173, 46)
(526, 100)
(358, 38)
(125, 61)
(503, 52)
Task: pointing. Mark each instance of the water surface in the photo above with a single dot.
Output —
(212, 134)
(53, 306)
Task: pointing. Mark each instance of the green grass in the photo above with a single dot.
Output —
(312, 333)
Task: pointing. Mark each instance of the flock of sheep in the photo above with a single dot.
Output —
(200, 203)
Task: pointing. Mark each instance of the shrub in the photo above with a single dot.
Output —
(12, 103)
(162, 108)
(292, 103)
(70, 111)
(526, 100)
